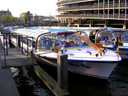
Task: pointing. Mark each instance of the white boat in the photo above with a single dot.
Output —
(108, 37)
(83, 56)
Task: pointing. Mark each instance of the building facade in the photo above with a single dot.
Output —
(91, 13)
(3, 12)
(29, 15)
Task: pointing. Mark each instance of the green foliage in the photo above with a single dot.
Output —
(25, 17)
(8, 19)
(3, 18)
(36, 18)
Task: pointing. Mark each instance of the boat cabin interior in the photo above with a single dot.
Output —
(92, 35)
(67, 40)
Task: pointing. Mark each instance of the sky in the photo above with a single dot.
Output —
(39, 7)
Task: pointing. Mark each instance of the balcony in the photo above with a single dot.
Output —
(77, 8)
(78, 15)
(64, 2)
(93, 7)
(94, 16)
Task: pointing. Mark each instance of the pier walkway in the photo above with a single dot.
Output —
(7, 83)
(14, 59)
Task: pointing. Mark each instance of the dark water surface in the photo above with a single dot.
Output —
(29, 84)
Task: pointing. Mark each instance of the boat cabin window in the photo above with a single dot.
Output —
(30, 43)
(105, 37)
(68, 40)
(46, 41)
(123, 36)
(85, 36)
(92, 35)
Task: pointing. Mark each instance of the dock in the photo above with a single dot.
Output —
(16, 59)
(7, 83)
(13, 59)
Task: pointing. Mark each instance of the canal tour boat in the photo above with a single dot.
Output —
(108, 37)
(84, 57)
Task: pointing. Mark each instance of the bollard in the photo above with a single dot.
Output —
(62, 71)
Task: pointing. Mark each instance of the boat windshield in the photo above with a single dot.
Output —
(66, 39)
(105, 37)
(72, 40)
(46, 41)
(123, 35)
(85, 36)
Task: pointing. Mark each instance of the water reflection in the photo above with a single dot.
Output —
(117, 85)
(28, 83)
(119, 80)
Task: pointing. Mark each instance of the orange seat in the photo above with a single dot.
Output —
(72, 44)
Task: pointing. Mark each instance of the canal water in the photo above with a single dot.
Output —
(29, 84)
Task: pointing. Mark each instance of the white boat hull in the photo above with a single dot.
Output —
(123, 51)
(93, 69)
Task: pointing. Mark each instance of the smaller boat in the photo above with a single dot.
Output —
(106, 38)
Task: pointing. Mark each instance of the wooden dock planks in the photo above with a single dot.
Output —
(50, 82)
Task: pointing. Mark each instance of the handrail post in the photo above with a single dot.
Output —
(10, 45)
(19, 41)
(27, 46)
(62, 71)
(32, 52)
(16, 41)
(22, 44)
(6, 45)
(4, 51)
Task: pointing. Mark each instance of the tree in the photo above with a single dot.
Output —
(36, 18)
(15, 19)
(25, 17)
(3, 19)
(8, 19)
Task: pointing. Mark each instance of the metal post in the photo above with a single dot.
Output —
(6, 45)
(19, 41)
(22, 44)
(10, 40)
(98, 9)
(108, 9)
(27, 46)
(16, 41)
(4, 52)
(32, 52)
(119, 10)
(62, 71)
(125, 9)
(113, 9)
